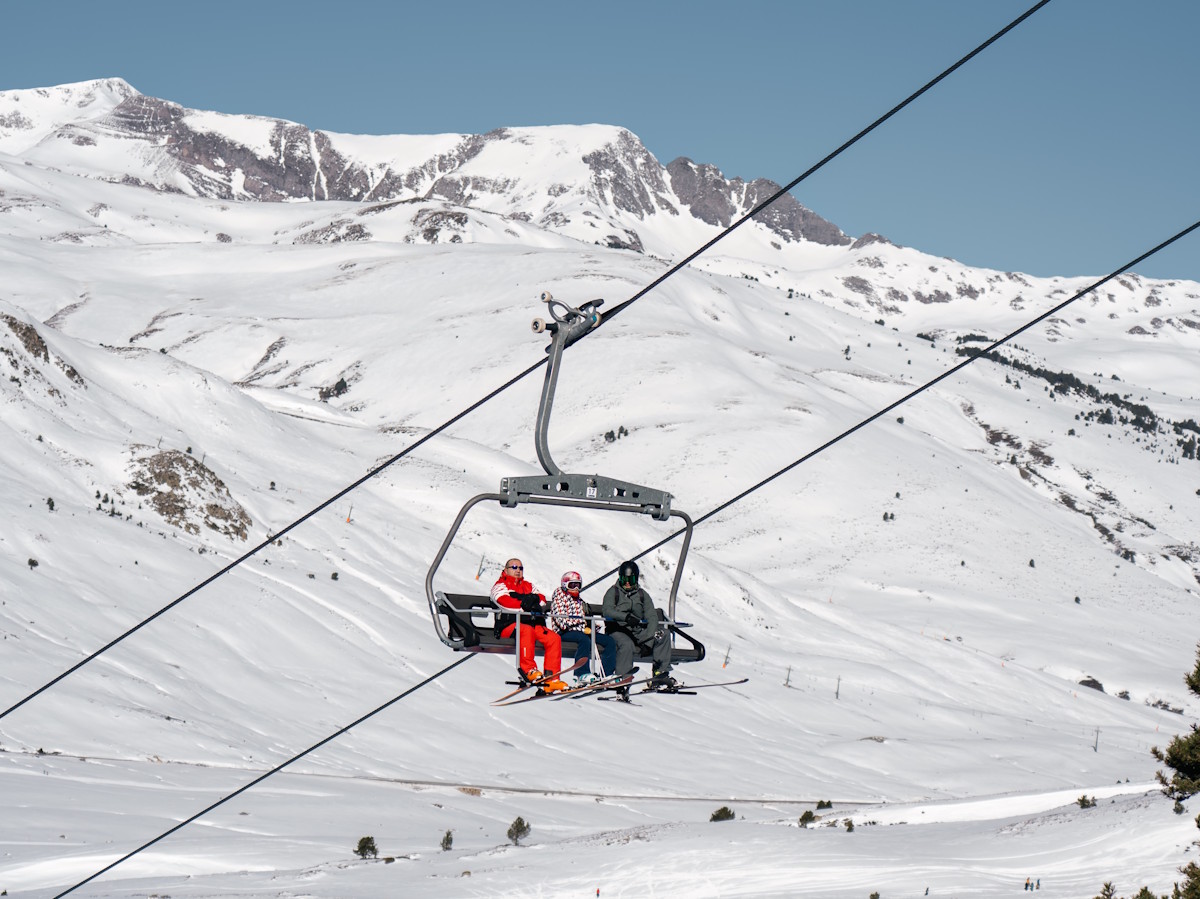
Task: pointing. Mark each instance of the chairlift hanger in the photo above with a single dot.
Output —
(459, 630)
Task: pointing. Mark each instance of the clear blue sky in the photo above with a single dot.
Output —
(1069, 147)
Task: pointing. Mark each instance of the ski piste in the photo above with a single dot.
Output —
(541, 680)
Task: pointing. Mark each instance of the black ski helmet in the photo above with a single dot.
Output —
(628, 573)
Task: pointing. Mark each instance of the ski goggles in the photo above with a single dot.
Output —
(574, 585)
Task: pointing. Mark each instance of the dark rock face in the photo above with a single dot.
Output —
(186, 493)
(629, 177)
(703, 190)
(433, 223)
(788, 218)
(461, 190)
(716, 201)
(16, 121)
(340, 230)
(859, 285)
(626, 240)
(301, 163)
(204, 157)
(869, 238)
(146, 115)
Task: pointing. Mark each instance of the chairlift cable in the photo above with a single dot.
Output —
(271, 538)
(522, 375)
(267, 774)
(708, 515)
(919, 390)
(829, 158)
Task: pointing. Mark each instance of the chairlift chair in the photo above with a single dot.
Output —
(465, 621)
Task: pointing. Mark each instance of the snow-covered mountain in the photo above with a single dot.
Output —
(595, 183)
(968, 613)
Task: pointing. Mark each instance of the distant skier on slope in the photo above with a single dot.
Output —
(512, 591)
(633, 621)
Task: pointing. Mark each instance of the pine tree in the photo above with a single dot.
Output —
(1183, 758)
(366, 848)
(1191, 883)
(518, 830)
(1183, 754)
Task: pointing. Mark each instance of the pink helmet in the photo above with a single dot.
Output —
(571, 582)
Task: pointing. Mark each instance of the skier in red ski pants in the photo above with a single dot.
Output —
(512, 591)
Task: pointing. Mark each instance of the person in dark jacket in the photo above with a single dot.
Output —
(634, 622)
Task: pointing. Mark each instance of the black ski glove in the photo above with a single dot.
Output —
(531, 603)
(633, 622)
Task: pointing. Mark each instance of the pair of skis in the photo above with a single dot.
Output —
(604, 685)
(612, 682)
(600, 686)
(681, 690)
(538, 683)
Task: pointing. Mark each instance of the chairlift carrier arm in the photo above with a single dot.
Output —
(558, 488)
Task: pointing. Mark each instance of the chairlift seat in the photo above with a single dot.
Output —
(470, 618)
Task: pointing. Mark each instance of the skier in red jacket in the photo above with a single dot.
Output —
(512, 591)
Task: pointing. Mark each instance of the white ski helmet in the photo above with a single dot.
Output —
(571, 582)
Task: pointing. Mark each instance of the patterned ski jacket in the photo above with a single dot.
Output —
(566, 612)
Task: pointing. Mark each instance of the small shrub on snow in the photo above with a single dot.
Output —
(724, 813)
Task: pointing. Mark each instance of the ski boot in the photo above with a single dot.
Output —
(662, 682)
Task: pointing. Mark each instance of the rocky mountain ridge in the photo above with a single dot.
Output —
(601, 170)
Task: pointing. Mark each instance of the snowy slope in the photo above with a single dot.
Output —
(171, 390)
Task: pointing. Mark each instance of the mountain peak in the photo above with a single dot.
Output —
(27, 116)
